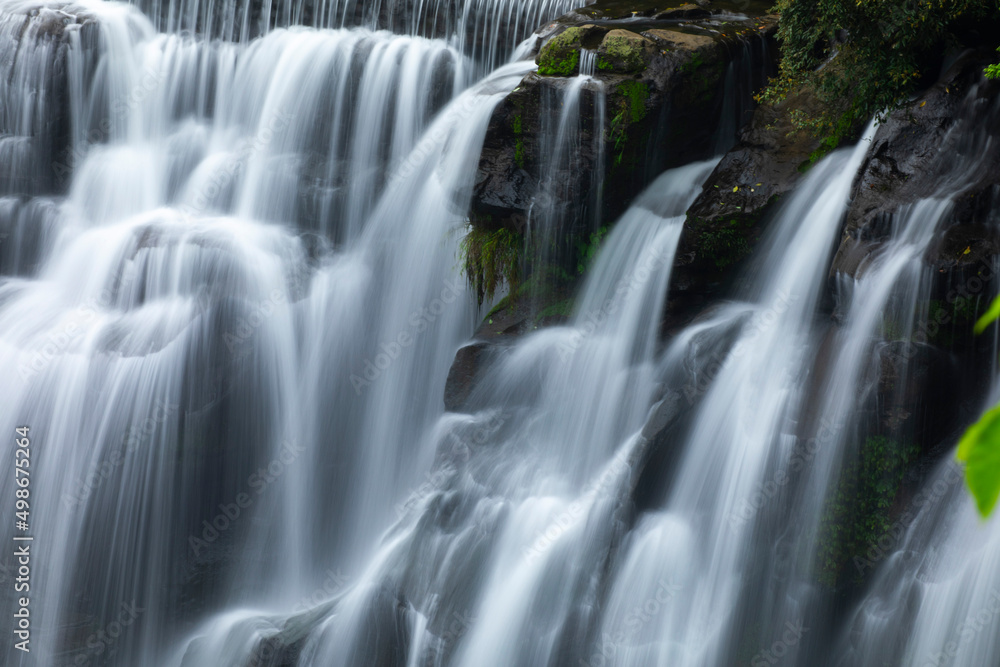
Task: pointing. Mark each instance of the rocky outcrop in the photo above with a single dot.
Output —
(570, 153)
(925, 150)
(35, 123)
(942, 146)
(661, 87)
(470, 366)
(726, 221)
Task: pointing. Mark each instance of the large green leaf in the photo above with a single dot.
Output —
(979, 448)
(989, 317)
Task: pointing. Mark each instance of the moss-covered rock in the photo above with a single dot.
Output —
(862, 509)
(662, 88)
(543, 299)
(624, 52)
(561, 55)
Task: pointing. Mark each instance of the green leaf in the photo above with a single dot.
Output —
(989, 317)
(979, 449)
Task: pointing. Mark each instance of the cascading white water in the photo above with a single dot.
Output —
(936, 598)
(731, 445)
(532, 507)
(230, 339)
(176, 313)
(489, 31)
(570, 144)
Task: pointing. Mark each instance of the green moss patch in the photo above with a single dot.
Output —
(561, 55)
(858, 513)
(635, 94)
(561, 309)
(723, 246)
(622, 51)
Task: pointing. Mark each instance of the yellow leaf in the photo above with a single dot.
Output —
(922, 104)
(967, 250)
(736, 188)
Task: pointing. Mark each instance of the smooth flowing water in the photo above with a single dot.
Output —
(489, 31)
(230, 298)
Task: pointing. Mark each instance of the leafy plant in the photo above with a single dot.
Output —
(492, 258)
(979, 448)
(863, 58)
(993, 71)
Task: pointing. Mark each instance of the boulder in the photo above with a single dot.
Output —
(654, 101)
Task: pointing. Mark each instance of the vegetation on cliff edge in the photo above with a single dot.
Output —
(865, 57)
(492, 258)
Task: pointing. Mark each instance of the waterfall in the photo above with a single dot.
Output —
(937, 593)
(489, 31)
(230, 295)
(225, 278)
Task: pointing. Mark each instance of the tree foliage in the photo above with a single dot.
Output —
(882, 49)
(993, 71)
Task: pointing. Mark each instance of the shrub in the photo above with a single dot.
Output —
(882, 47)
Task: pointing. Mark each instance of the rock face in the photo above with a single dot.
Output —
(925, 150)
(35, 122)
(471, 363)
(726, 221)
(655, 101)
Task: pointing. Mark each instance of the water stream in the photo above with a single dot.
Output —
(229, 307)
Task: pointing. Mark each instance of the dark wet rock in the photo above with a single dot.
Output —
(659, 459)
(684, 12)
(726, 221)
(918, 153)
(677, 11)
(938, 146)
(36, 125)
(915, 395)
(466, 371)
(655, 102)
